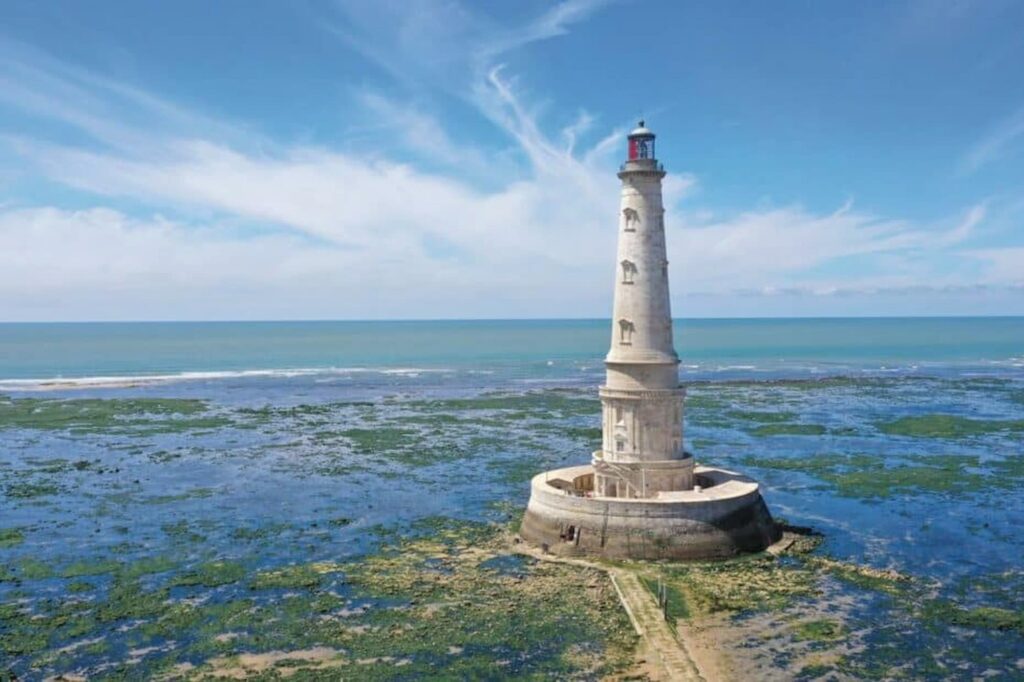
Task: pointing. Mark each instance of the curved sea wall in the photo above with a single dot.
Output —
(723, 517)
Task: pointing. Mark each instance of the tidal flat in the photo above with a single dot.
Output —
(272, 528)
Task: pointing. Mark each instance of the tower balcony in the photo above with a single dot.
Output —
(642, 166)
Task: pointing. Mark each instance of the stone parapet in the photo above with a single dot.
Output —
(719, 521)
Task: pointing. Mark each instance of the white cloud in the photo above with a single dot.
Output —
(358, 235)
(995, 144)
(102, 264)
(1002, 265)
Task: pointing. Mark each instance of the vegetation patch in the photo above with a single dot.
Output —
(867, 476)
(194, 493)
(378, 440)
(33, 569)
(762, 417)
(985, 617)
(788, 429)
(85, 568)
(823, 630)
(301, 576)
(11, 537)
(549, 404)
(96, 415)
(757, 583)
(949, 426)
(518, 469)
(28, 490)
(211, 574)
(455, 598)
(865, 577)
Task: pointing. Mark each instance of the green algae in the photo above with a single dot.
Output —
(550, 621)
(261, 533)
(147, 566)
(754, 583)
(949, 426)
(299, 576)
(821, 630)
(28, 490)
(127, 600)
(518, 470)
(97, 415)
(182, 531)
(675, 608)
(588, 434)
(194, 493)
(87, 568)
(696, 400)
(539, 404)
(867, 476)
(865, 577)
(983, 617)
(787, 429)
(33, 569)
(11, 537)
(380, 440)
(762, 417)
(455, 601)
(211, 574)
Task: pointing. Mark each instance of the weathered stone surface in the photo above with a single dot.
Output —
(713, 522)
(641, 496)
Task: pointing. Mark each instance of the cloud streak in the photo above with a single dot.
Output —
(994, 145)
(225, 224)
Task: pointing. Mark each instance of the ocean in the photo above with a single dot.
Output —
(182, 499)
(32, 355)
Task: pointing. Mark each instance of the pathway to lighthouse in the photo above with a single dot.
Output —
(665, 650)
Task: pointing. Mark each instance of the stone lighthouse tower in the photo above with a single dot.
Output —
(642, 402)
(641, 496)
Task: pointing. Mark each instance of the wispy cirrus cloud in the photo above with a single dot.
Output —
(998, 142)
(273, 229)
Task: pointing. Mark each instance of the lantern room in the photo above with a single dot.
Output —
(641, 143)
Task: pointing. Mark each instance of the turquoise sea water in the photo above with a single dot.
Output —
(541, 348)
(149, 471)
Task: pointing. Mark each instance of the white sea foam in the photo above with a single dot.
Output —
(134, 380)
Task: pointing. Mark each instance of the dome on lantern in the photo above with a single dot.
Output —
(641, 129)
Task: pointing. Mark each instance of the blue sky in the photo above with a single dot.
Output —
(438, 159)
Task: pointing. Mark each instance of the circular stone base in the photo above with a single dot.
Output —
(724, 516)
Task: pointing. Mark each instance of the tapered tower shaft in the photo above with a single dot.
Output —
(642, 402)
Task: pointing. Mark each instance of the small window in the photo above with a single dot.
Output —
(632, 219)
(626, 329)
(628, 271)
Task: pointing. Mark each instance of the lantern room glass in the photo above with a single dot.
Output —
(641, 147)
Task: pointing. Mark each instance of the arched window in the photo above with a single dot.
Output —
(626, 329)
(632, 219)
(628, 271)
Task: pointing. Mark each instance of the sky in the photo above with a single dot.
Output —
(426, 159)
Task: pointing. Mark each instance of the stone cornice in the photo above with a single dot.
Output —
(641, 393)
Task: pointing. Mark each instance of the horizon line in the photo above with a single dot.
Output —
(501, 319)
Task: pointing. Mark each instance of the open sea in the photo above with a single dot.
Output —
(178, 494)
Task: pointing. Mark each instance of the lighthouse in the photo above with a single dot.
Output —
(642, 496)
(642, 402)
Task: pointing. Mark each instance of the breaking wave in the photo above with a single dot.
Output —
(136, 380)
